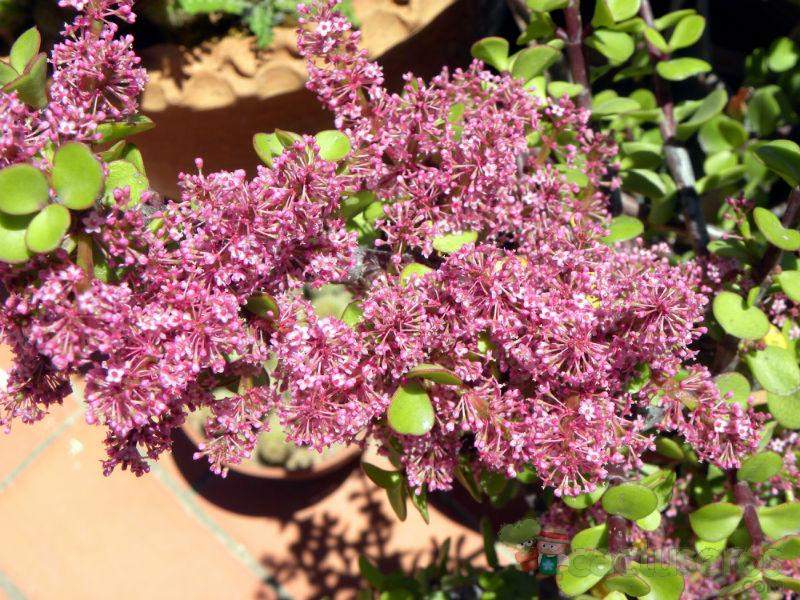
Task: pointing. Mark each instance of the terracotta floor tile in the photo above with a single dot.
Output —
(309, 535)
(68, 532)
(24, 439)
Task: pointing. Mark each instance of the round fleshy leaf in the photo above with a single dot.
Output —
(781, 157)
(630, 500)
(559, 89)
(790, 284)
(31, 85)
(24, 49)
(77, 176)
(520, 532)
(651, 522)
(352, 314)
(780, 520)
(413, 270)
(584, 570)
(493, 51)
(623, 228)
(783, 55)
(679, 69)
(775, 369)
(435, 373)
(786, 548)
(13, 249)
(734, 384)
(717, 521)
(382, 477)
(707, 551)
(666, 583)
(747, 323)
(453, 242)
(785, 409)
(780, 580)
(532, 61)
(585, 500)
(687, 32)
(616, 46)
(630, 584)
(333, 145)
(644, 182)
(670, 448)
(411, 411)
(48, 228)
(123, 174)
(760, 467)
(591, 537)
(776, 234)
(23, 190)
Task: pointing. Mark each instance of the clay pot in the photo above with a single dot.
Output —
(209, 101)
(328, 465)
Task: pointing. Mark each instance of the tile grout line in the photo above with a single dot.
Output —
(12, 591)
(187, 498)
(41, 447)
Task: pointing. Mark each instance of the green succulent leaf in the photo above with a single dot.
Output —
(23, 190)
(775, 369)
(7, 73)
(520, 532)
(735, 384)
(785, 548)
(609, 12)
(352, 315)
(678, 69)
(267, 147)
(651, 522)
(764, 111)
(113, 132)
(77, 176)
(592, 537)
(435, 373)
(614, 106)
(333, 145)
(711, 106)
(739, 320)
(47, 229)
(666, 583)
(533, 61)
(672, 18)
(656, 39)
(780, 580)
(13, 249)
(616, 46)
(31, 85)
(584, 569)
(24, 49)
(630, 500)
(670, 448)
(413, 270)
(785, 409)
(382, 477)
(760, 467)
(708, 551)
(453, 242)
(546, 5)
(559, 89)
(419, 498)
(780, 520)
(411, 411)
(644, 182)
(585, 500)
(716, 521)
(782, 55)
(790, 284)
(493, 51)
(627, 583)
(783, 158)
(746, 583)
(623, 228)
(123, 174)
(776, 234)
(687, 32)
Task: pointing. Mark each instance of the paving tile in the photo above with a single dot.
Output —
(68, 532)
(17, 446)
(309, 535)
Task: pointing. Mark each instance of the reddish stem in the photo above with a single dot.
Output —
(746, 499)
(577, 61)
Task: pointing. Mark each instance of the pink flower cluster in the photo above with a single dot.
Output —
(564, 346)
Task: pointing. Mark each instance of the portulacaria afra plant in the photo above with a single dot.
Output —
(506, 331)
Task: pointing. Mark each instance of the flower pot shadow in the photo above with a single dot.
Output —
(249, 495)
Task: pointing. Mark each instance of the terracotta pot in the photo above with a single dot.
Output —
(326, 466)
(210, 100)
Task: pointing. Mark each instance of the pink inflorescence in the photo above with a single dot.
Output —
(571, 354)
